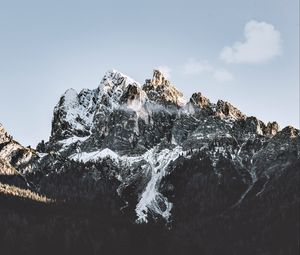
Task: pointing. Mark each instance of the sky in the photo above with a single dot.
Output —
(244, 52)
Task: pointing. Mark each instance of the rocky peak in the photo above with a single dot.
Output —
(159, 79)
(225, 109)
(272, 128)
(199, 100)
(255, 126)
(114, 83)
(289, 132)
(4, 136)
(73, 114)
(12, 154)
(117, 89)
(160, 90)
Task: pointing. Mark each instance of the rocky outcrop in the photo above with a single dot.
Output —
(225, 109)
(272, 128)
(13, 155)
(160, 90)
(73, 114)
(199, 100)
(4, 136)
(289, 132)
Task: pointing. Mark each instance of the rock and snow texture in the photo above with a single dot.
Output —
(74, 114)
(94, 155)
(151, 199)
(156, 163)
(142, 128)
(13, 155)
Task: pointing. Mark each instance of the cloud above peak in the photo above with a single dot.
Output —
(262, 43)
(193, 67)
(222, 75)
(166, 71)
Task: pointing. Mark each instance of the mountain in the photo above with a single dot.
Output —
(14, 156)
(203, 170)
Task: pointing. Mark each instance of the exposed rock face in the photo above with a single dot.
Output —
(13, 155)
(73, 114)
(272, 128)
(5, 166)
(199, 100)
(161, 91)
(145, 132)
(225, 109)
(289, 132)
(4, 137)
(159, 79)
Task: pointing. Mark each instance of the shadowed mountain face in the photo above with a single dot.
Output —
(206, 178)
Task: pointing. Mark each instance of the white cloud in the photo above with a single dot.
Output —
(262, 43)
(222, 75)
(166, 71)
(197, 67)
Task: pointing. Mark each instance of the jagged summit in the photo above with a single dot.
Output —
(12, 154)
(115, 78)
(288, 131)
(160, 90)
(199, 100)
(4, 137)
(76, 113)
(159, 79)
(225, 109)
(124, 116)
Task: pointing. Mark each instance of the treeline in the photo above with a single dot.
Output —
(86, 216)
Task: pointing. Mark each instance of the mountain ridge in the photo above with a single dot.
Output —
(133, 125)
(199, 170)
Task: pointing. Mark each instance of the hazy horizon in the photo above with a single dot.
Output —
(232, 51)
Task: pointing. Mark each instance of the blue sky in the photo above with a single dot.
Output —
(245, 52)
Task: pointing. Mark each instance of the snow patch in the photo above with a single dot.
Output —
(151, 200)
(95, 155)
(67, 142)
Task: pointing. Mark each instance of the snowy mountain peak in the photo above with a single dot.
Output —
(70, 96)
(117, 88)
(114, 78)
(78, 113)
(73, 115)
